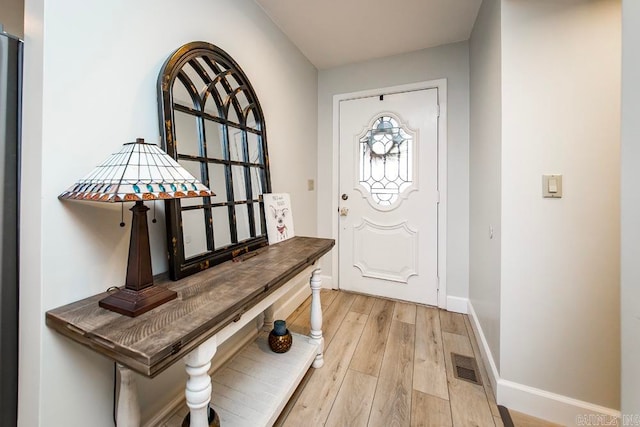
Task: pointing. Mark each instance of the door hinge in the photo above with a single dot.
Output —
(438, 110)
(438, 197)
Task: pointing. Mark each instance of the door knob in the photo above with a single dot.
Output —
(344, 211)
(345, 197)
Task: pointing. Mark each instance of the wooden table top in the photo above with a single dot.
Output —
(207, 302)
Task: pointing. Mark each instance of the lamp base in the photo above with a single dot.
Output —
(133, 303)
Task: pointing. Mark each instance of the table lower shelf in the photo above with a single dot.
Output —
(253, 388)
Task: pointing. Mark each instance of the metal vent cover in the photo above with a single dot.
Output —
(465, 368)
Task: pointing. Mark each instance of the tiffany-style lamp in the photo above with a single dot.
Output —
(138, 172)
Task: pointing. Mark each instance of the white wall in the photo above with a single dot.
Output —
(450, 62)
(560, 258)
(630, 207)
(485, 137)
(91, 71)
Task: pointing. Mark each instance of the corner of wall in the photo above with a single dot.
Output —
(529, 400)
(457, 304)
(485, 350)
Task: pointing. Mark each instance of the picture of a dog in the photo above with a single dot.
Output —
(279, 215)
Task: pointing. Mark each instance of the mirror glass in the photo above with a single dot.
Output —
(189, 70)
(214, 134)
(193, 167)
(233, 82)
(236, 145)
(211, 106)
(232, 115)
(258, 218)
(195, 235)
(218, 182)
(253, 141)
(221, 229)
(252, 122)
(181, 95)
(186, 129)
(222, 92)
(256, 182)
(242, 216)
(242, 100)
(239, 186)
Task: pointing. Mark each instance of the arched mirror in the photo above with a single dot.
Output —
(212, 124)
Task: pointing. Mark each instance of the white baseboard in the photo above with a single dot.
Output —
(327, 282)
(532, 401)
(487, 357)
(457, 304)
(551, 406)
(167, 410)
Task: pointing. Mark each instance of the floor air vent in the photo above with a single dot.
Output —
(465, 368)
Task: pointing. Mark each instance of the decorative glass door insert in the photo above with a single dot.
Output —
(386, 162)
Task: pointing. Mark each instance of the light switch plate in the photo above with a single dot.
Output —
(552, 186)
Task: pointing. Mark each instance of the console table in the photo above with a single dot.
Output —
(210, 307)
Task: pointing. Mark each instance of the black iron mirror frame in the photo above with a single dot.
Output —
(213, 56)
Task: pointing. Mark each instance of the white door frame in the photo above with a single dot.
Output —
(441, 85)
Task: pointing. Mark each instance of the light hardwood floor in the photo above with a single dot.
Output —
(388, 363)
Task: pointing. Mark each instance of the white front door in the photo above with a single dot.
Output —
(388, 189)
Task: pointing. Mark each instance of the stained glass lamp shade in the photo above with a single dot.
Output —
(138, 172)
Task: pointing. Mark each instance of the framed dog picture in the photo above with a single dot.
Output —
(277, 208)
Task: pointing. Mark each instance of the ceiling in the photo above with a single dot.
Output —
(337, 32)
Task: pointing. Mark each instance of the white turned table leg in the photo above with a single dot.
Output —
(127, 409)
(198, 390)
(267, 325)
(316, 317)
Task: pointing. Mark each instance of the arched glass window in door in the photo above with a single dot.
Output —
(212, 124)
(386, 161)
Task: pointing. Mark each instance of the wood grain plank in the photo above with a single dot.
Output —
(334, 315)
(327, 297)
(368, 356)
(405, 312)
(524, 420)
(315, 401)
(363, 304)
(301, 324)
(301, 312)
(294, 399)
(392, 402)
(429, 411)
(429, 372)
(483, 372)
(353, 403)
(235, 413)
(452, 323)
(469, 405)
(206, 303)
(260, 405)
